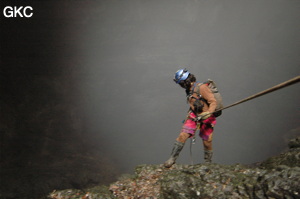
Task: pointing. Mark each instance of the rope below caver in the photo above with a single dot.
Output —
(264, 92)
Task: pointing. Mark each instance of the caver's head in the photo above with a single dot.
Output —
(184, 78)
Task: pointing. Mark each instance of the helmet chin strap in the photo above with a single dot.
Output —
(191, 86)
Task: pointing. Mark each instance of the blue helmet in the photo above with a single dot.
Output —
(181, 74)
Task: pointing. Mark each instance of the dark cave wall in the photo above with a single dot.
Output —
(45, 142)
(40, 116)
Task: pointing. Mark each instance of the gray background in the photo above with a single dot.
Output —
(116, 60)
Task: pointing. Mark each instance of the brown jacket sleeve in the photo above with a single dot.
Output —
(206, 93)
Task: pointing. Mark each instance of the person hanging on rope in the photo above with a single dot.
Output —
(202, 104)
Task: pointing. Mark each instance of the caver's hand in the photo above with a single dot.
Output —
(204, 116)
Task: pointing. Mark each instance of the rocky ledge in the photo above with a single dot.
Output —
(278, 177)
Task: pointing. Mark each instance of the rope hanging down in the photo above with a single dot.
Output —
(274, 88)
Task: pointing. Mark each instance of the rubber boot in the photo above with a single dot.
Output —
(208, 156)
(174, 155)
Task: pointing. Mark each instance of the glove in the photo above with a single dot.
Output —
(204, 116)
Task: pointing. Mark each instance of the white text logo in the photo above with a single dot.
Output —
(15, 11)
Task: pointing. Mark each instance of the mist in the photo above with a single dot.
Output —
(113, 62)
(132, 51)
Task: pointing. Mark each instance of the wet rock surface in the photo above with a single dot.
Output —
(278, 177)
